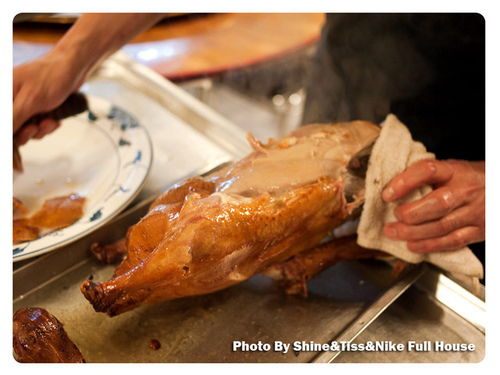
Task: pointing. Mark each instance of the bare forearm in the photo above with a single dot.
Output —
(95, 36)
(43, 84)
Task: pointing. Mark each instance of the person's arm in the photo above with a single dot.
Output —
(43, 84)
(450, 217)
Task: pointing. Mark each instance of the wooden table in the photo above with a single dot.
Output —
(197, 45)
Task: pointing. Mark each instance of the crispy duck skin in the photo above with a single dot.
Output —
(59, 212)
(141, 239)
(18, 208)
(40, 338)
(55, 213)
(208, 234)
(23, 231)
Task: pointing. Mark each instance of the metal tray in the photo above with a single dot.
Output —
(352, 301)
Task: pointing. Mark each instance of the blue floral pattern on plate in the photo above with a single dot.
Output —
(132, 152)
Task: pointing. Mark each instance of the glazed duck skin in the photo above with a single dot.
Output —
(40, 338)
(208, 234)
(56, 213)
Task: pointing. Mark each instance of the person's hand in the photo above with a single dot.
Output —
(44, 84)
(450, 217)
(40, 86)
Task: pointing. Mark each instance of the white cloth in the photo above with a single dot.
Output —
(392, 153)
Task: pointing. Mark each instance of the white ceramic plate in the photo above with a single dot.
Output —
(103, 154)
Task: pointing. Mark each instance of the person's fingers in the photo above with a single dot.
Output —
(425, 172)
(45, 127)
(452, 241)
(449, 217)
(438, 228)
(24, 134)
(34, 91)
(432, 206)
(36, 131)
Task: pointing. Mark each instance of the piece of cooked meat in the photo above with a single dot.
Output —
(208, 234)
(59, 212)
(18, 208)
(23, 231)
(56, 213)
(40, 338)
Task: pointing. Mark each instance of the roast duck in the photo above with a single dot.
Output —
(269, 212)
